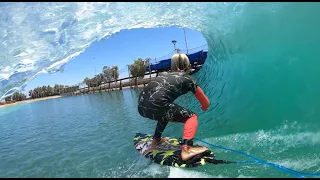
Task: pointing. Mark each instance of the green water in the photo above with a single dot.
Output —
(91, 136)
(261, 78)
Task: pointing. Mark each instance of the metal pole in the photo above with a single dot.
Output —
(149, 68)
(129, 75)
(185, 39)
(174, 44)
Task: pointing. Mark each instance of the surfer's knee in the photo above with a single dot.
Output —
(143, 112)
(140, 110)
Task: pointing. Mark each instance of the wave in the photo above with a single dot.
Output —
(42, 37)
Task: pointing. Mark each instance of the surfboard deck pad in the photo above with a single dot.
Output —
(169, 152)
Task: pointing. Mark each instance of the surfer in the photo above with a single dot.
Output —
(156, 103)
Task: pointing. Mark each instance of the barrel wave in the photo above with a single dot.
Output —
(261, 74)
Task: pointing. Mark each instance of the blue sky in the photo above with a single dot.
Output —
(121, 49)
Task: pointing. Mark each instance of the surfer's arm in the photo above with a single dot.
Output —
(202, 98)
(198, 93)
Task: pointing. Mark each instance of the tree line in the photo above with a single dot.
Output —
(46, 91)
(43, 91)
(108, 74)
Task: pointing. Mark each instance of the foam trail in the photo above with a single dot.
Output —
(153, 170)
(272, 146)
(282, 138)
(182, 173)
(300, 164)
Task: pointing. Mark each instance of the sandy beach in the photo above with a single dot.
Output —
(30, 100)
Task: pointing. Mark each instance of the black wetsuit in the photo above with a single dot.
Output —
(156, 99)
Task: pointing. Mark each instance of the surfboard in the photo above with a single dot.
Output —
(169, 152)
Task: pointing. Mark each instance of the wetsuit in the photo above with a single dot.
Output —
(156, 101)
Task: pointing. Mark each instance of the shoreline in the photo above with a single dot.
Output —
(59, 96)
(31, 100)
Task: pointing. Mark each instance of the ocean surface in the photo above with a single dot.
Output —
(261, 76)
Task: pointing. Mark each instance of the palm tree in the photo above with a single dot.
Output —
(15, 96)
(137, 69)
(49, 91)
(107, 73)
(56, 89)
(35, 92)
(114, 73)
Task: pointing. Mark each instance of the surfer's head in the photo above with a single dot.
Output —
(180, 62)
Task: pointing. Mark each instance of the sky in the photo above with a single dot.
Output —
(120, 49)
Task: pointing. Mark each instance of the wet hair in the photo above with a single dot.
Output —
(180, 62)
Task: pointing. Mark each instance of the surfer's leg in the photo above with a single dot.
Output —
(155, 113)
(177, 113)
(190, 120)
(170, 113)
(157, 139)
(161, 125)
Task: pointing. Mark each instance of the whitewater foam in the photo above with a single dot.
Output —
(287, 136)
(153, 169)
(274, 143)
(299, 163)
(183, 173)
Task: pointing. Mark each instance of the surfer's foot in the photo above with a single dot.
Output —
(187, 152)
(156, 142)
